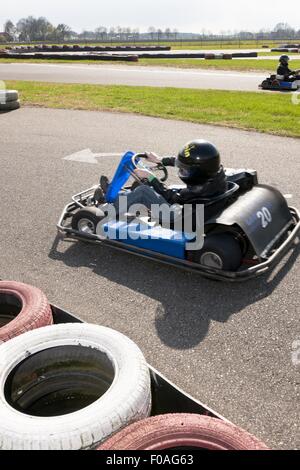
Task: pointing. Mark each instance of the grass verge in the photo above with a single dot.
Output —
(263, 112)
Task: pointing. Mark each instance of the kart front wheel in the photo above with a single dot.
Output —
(86, 220)
(220, 251)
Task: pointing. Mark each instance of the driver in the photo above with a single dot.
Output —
(199, 167)
(283, 70)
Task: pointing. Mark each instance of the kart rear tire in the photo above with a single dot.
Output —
(174, 431)
(86, 220)
(220, 251)
(69, 387)
(22, 308)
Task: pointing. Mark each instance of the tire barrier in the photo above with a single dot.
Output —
(295, 49)
(73, 386)
(175, 55)
(180, 430)
(70, 387)
(237, 55)
(74, 56)
(9, 101)
(22, 307)
(66, 48)
(288, 46)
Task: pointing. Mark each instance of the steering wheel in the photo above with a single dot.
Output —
(152, 169)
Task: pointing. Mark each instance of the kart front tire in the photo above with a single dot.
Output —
(265, 85)
(86, 220)
(220, 251)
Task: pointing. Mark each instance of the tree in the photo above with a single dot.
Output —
(34, 29)
(168, 33)
(62, 32)
(152, 31)
(10, 29)
(100, 32)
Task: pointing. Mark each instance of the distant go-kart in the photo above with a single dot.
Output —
(275, 84)
(247, 229)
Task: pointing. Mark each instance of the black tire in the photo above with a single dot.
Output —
(265, 85)
(86, 220)
(9, 106)
(220, 251)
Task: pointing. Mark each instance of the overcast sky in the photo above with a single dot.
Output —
(184, 15)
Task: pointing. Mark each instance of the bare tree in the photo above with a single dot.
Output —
(168, 33)
(10, 29)
(101, 31)
(63, 32)
(152, 31)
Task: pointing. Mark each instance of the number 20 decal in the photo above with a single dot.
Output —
(265, 215)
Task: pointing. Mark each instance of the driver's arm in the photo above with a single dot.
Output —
(170, 195)
(166, 161)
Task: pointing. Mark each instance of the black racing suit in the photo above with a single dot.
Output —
(285, 72)
(211, 187)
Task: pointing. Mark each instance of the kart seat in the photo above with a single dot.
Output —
(213, 204)
(209, 201)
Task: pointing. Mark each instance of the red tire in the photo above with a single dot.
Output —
(22, 308)
(172, 431)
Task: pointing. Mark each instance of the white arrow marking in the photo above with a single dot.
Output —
(288, 196)
(87, 156)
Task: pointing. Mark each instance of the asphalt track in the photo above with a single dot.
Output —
(132, 75)
(228, 345)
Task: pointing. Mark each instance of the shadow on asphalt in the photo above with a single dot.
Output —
(188, 302)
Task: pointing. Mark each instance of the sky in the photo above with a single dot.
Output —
(184, 15)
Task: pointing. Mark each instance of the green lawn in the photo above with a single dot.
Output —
(243, 65)
(264, 112)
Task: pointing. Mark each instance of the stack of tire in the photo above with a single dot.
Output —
(9, 100)
(80, 386)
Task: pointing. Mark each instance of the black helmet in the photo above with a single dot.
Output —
(198, 161)
(284, 59)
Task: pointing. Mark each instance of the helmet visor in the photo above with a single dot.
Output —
(189, 173)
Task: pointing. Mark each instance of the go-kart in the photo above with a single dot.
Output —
(275, 84)
(246, 230)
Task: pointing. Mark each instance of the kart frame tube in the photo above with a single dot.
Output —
(238, 276)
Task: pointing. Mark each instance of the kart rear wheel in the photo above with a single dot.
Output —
(220, 251)
(86, 220)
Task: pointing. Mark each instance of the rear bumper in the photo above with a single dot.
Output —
(242, 275)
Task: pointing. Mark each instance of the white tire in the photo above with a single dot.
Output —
(28, 378)
(7, 96)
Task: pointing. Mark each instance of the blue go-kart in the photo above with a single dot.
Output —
(246, 230)
(275, 84)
